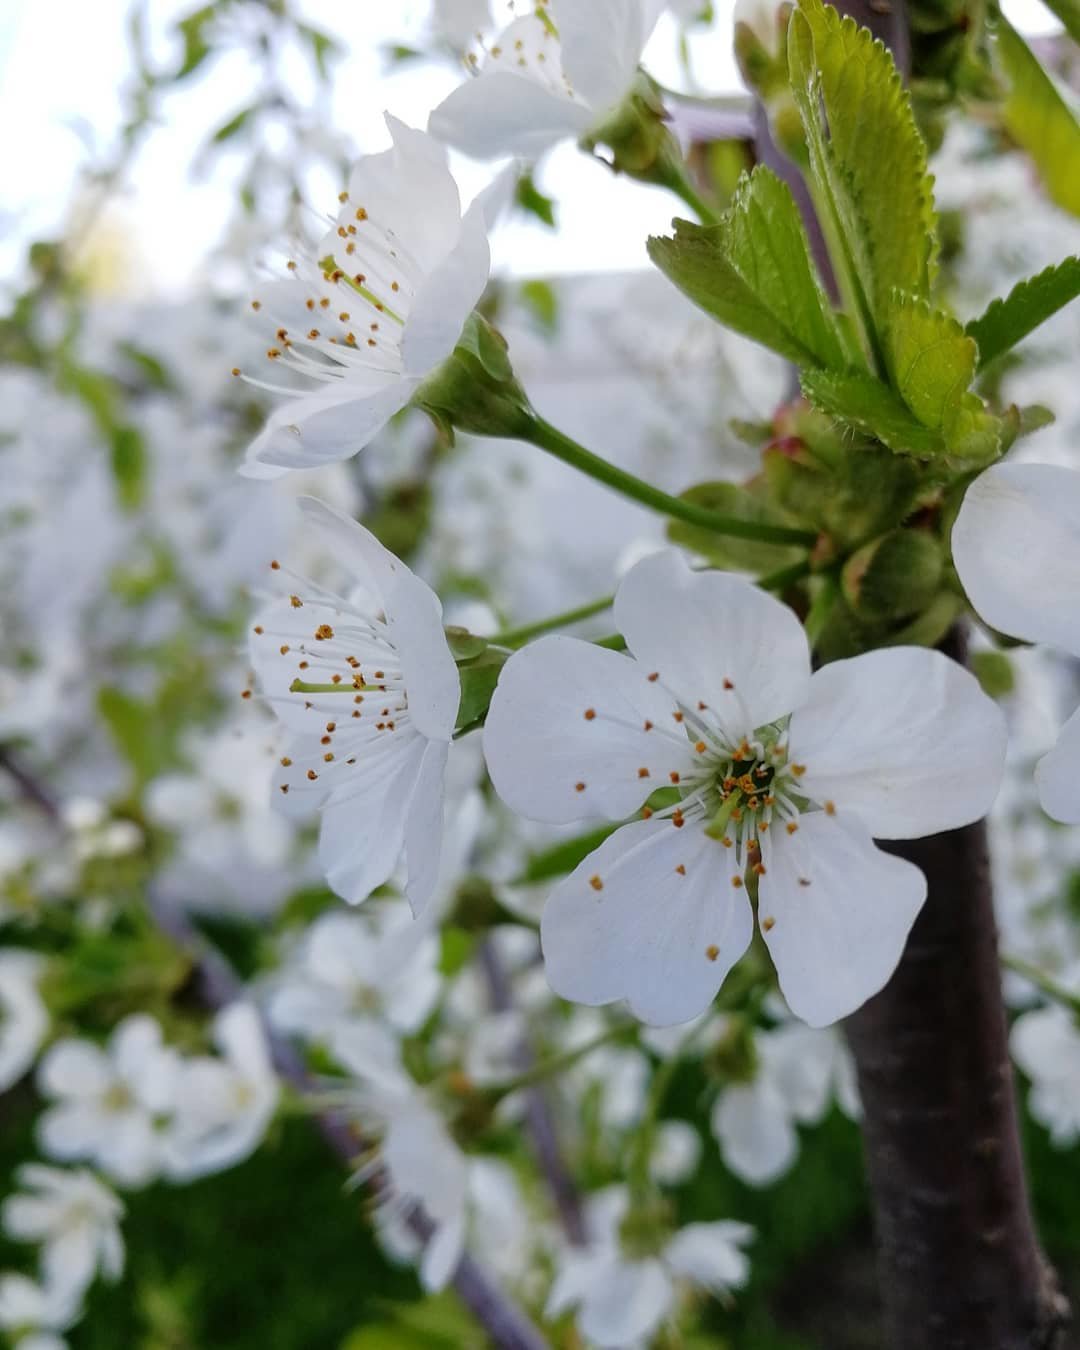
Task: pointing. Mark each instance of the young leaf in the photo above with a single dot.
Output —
(871, 407)
(867, 159)
(754, 272)
(1040, 119)
(1027, 305)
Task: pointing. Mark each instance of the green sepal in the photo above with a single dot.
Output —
(478, 680)
(475, 388)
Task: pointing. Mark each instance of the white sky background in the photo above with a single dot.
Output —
(63, 64)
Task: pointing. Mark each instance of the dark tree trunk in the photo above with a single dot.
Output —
(960, 1264)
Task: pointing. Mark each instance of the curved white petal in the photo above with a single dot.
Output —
(754, 1129)
(326, 426)
(602, 42)
(628, 923)
(551, 760)
(363, 830)
(904, 737)
(625, 1303)
(1016, 546)
(447, 297)
(424, 827)
(73, 1068)
(835, 912)
(354, 546)
(505, 114)
(716, 639)
(432, 685)
(710, 1254)
(1057, 775)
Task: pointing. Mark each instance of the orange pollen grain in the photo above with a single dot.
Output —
(700, 747)
(579, 787)
(596, 883)
(681, 869)
(830, 808)
(768, 924)
(712, 952)
(737, 882)
(643, 772)
(590, 713)
(674, 776)
(791, 827)
(312, 775)
(324, 632)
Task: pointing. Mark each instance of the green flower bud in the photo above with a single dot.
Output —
(893, 577)
(637, 134)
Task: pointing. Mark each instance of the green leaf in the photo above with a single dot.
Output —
(744, 555)
(543, 303)
(562, 858)
(196, 47)
(529, 197)
(870, 406)
(134, 727)
(234, 125)
(867, 159)
(753, 271)
(1007, 321)
(1038, 117)
(323, 47)
(478, 680)
(128, 461)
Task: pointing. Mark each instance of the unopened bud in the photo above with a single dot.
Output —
(893, 577)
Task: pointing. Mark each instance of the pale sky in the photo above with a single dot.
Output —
(63, 64)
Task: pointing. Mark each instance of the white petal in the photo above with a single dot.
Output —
(363, 830)
(602, 42)
(130, 1151)
(70, 1131)
(714, 638)
(424, 827)
(540, 742)
(841, 911)
(355, 547)
(1016, 546)
(72, 1068)
(661, 939)
(504, 114)
(332, 424)
(1057, 775)
(904, 737)
(447, 297)
(755, 1132)
(432, 685)
(625, 1304)
(710, 1254)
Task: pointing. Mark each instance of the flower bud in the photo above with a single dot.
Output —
(893, 577)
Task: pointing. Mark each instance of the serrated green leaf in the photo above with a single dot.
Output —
(931, 359)
(867, 159)
(1010, 319)
(1038, 117)
(742, 555)
(753, 271)
(870, 406)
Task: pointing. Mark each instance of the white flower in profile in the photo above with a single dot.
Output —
(224, 1105)
(350, 967)
(548, 77)
(799, 1072)
(24, 1019)
(34, 1314)
(108, 1103)
(1046, 1044)
(369, 691)
(419, 1162)
(383, 304)
(76, 1222)
(782, 780)
(622, 1299)
(1016, 546)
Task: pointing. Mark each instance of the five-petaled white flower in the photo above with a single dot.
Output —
(369, 689)
(75, 1219)
(381, 307)
(1016, 545)
(779, 778)
(539, 83)
(108, 1103)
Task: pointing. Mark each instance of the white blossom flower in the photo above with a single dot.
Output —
(381, 307)
(34, 1314)
(224, 1106)
(108, 1102)
(24, 1019)
(368, 688)
(1046, 1044)
(539, 83)
(783, 781)
(676, 1152)
(75, 1220)
(355, 966)
(799, 1071)
(1016, 546)
(622, 1299)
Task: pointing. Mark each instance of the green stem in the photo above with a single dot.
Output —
(515, 637)
(547, 1068)
(677, 180)
(536, 431)
(1043, 982)
(638, 1167)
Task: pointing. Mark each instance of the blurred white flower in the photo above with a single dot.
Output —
(108, 1103)
(369, 690)
(460, 21)
(1046, 1044)
(623, 1299)
(799, 1072)
(24, 1019)
(379, 963)
(676, 1152)
(379, 307)
(76, 1222)
(539, 83)
(224, 1106)
(33, 1314)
